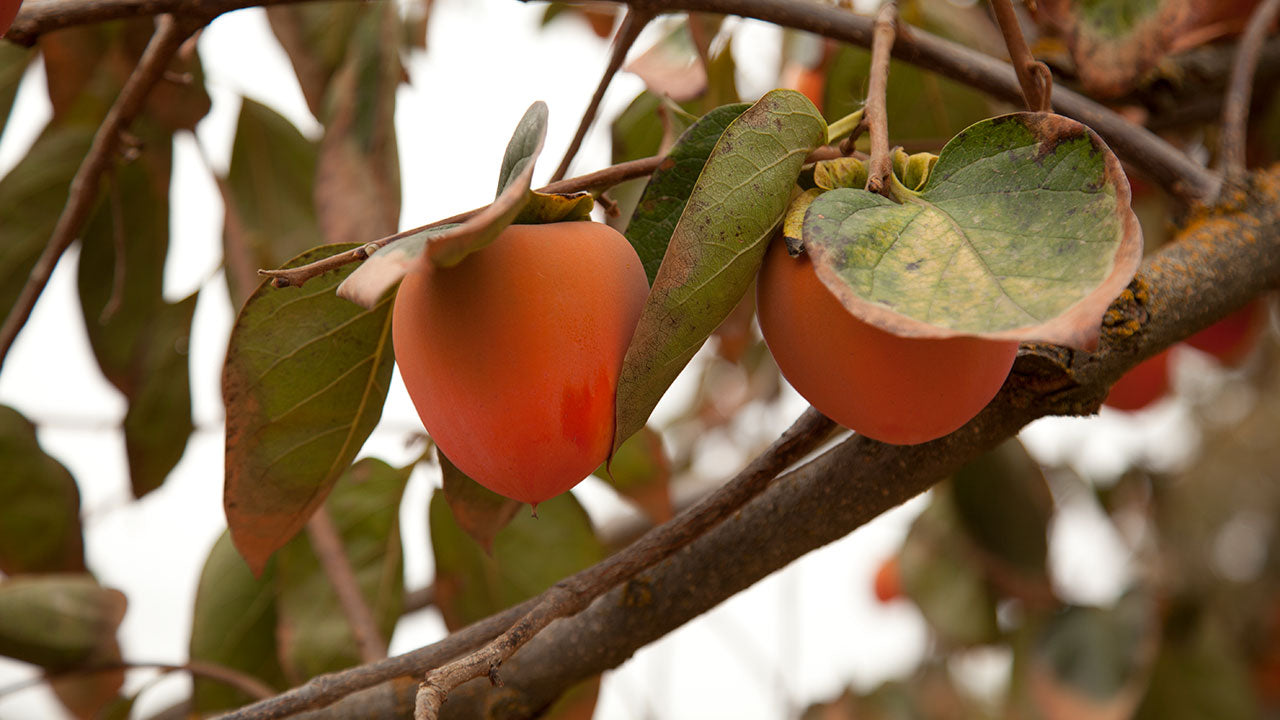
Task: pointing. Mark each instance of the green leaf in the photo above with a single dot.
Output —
(641, 472)
(514, 181)
(13, 65)
(233, 626)
(479, 511)
(1022, 232)
(1094, 658)
(940, 574)
(39, 504)
(304, 382)
(57, 621)
(529, 555)
(637, 131)
(139, 340)
(1004, 504)
(313, 632)
(1199, 673)
(269, 193)
(717, 246)
(669, 187)
(842, 172)
(32, 196)
(357, 182)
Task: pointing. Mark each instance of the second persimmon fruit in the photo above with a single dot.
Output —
(899, 390)
(512, 357)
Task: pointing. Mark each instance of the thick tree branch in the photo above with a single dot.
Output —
(170, 33)
(632, 23)
(1221, 259)
(1235, 107)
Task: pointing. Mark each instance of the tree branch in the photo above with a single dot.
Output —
(1222, 259)
(606, 178)
(326, 543)
(632, 23)
(1235, 107)
(1034, 77)
(875, 114)
(170, 33)
(245, 683)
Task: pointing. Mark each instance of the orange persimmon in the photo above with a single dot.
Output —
(8, 11)
(1145, 383)
(900, 390)
(512, 356)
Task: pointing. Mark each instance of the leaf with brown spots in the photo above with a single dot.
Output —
(304, 382)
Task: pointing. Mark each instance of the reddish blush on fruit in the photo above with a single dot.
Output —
(8, 11)
(512, 357)
(895, 389)
(1146, 383)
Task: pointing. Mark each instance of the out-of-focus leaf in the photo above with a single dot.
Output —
(358, 169)
(641, 472)
(269, 194)
(234, 626)
(1003, 503)
(1199, 673)
(923, 108)
(717, 246)
(88, 695)
(13, 65)
(600, 16)
(449, 245)
(529, 555)
(304, 382)
(313, 632)
(315, 36)
(637, 131)
(39, 504)
(941, 576)
(139, 340)
(671, 66)
(1091, 662)
(479, 511)
(577, 703)
(32, 196)
(57, 621)
(664, 199)
(1022, 232)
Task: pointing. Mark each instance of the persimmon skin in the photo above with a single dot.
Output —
(1145, 383)
(8, 11)
(895, 389)
(512, 357)
(1232, 338)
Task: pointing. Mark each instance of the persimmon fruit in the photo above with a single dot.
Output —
(1145, 383)
(1231, 338)
(887, 584)
(8, 11)
(899, 390)
(512, 356)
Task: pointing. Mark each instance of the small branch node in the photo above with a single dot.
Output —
(494, 679)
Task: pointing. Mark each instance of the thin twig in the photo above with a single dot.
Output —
(573, 594)
(1034, 77)
(875, 115)
(419, 599)
(606, 178)
(245, 683)
(329, 550)
(1235, 105)
(170, 33)
(632, 23)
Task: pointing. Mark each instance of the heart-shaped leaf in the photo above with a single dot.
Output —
(304, 382)
(717, 246)
(1023, 231)
(669, 187)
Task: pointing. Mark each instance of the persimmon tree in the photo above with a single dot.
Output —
(893, 189)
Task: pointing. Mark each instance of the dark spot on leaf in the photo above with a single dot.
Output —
(914, 265)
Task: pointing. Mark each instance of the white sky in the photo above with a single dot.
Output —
(798, 637)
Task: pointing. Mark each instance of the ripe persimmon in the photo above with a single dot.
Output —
(1231, 338)
(1145, 383)
(899, 390)
(8, 11)
(888, 580)
(512, 356)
